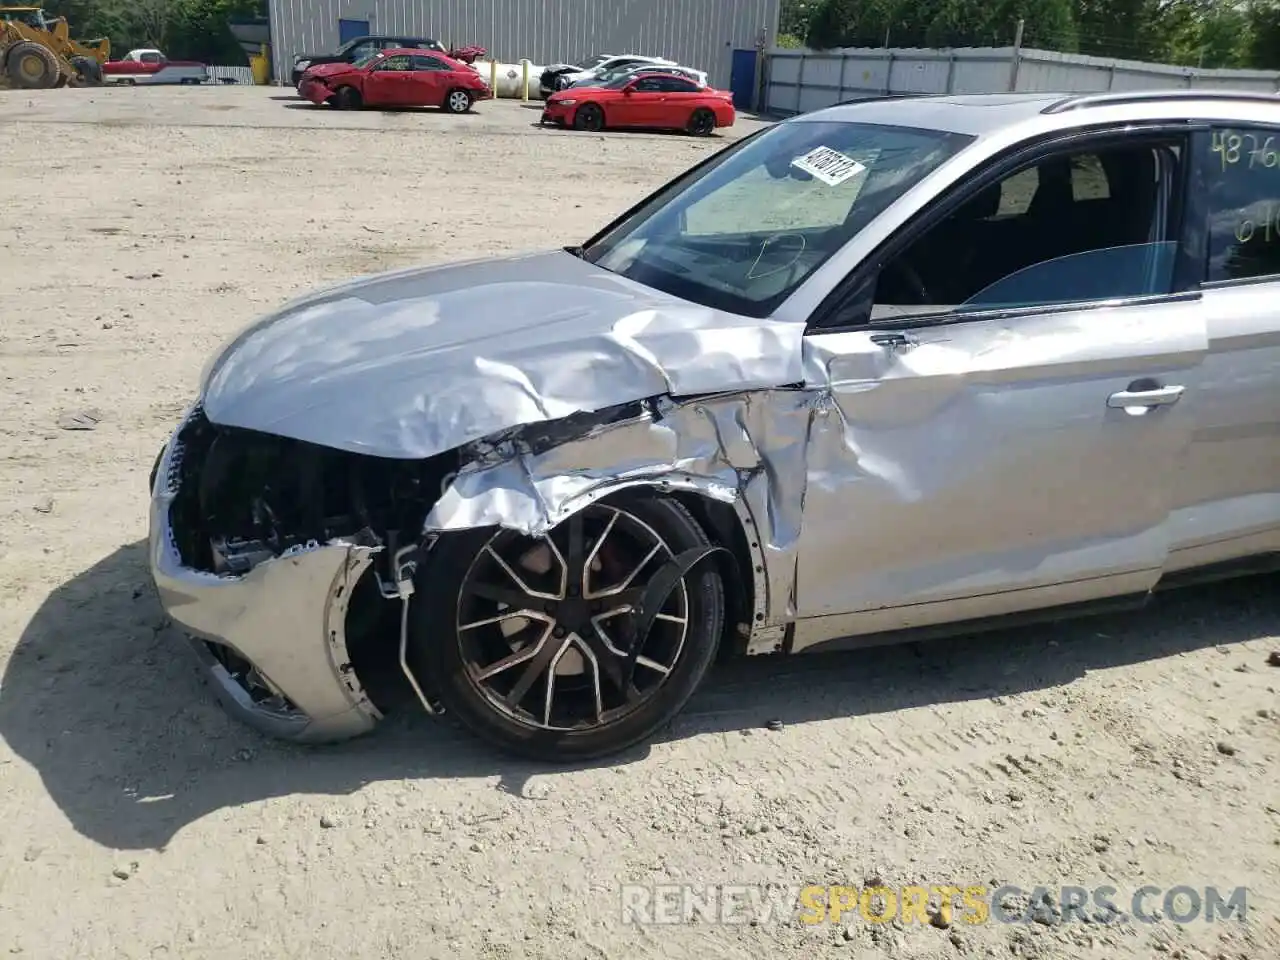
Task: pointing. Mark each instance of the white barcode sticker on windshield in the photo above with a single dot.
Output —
(830, 166)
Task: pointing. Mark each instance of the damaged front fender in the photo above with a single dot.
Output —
(743, 449)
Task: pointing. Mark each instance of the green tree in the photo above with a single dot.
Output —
(794, 17)
(942, 23)
(1264, 38)
(851, 23)
(183, 29)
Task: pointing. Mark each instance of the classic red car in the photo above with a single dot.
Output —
(653, 100)
(396, 78)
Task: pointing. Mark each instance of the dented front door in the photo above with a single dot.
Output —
(978, 468)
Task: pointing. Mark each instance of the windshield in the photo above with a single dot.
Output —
(367, 59)
(590, 62)
(615, 81)
(742, 233)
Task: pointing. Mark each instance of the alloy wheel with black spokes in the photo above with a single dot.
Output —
(533, 642)
(702, 123)
(589, 117)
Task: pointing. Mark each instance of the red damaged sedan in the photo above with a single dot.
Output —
(653, 100)
(396, 78)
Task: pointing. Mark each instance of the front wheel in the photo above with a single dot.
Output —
(529, 641)
(33, 67)
(347, 98)
(457, 101)
(589, 117)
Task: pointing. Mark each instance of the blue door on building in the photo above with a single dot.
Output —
(742, 78)
(350, 29)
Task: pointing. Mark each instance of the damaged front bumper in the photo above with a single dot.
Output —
(272, 640)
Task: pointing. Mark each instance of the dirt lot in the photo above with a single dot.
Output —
(140, 228)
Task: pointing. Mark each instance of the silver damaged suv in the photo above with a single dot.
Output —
(902, 365)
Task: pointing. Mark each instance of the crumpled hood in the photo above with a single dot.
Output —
(330, 69)
(420, 361)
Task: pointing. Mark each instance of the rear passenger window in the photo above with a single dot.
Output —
(1244, 204)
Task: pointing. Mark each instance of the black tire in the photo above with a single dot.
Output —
(590, 117)
(88, 71)
(457, 101)
(436, 657)
(155, 469)
(32, 67)
(702, 123)
(348, 98)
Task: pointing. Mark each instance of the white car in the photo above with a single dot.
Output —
(594, 79)
(149, 66)
(560, 75)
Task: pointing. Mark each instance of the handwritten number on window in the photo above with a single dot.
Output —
(1234, 148)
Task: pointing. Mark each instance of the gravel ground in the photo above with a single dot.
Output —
(141, 227)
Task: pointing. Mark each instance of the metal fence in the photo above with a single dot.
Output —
(230, 75)
(804, 80)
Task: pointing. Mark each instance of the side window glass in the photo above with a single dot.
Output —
(1016, 193)
(428, 63)
(649, 85)
(395, 64)
(1072, 228)
(1244, 204)
(1089, 179)
(361, 50)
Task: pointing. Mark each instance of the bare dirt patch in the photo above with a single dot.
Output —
(140, 822)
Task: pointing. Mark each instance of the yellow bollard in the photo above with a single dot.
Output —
(493, 75)
(524, 89)
(261, 66)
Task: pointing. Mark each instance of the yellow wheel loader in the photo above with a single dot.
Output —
(37, 52)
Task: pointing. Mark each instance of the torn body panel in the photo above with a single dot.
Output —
(744, 449)
(283, 664)
(268, 619)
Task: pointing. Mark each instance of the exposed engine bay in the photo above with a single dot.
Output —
(245, 497)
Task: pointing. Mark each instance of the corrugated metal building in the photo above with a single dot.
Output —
(698, 33)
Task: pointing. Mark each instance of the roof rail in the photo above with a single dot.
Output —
(883, 96)
(1085, 100)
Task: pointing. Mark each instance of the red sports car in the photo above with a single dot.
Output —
(654, 100)
(396, 78)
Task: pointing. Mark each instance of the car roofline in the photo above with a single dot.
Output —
(413, 52)
(991, 115)
(1083, 101)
